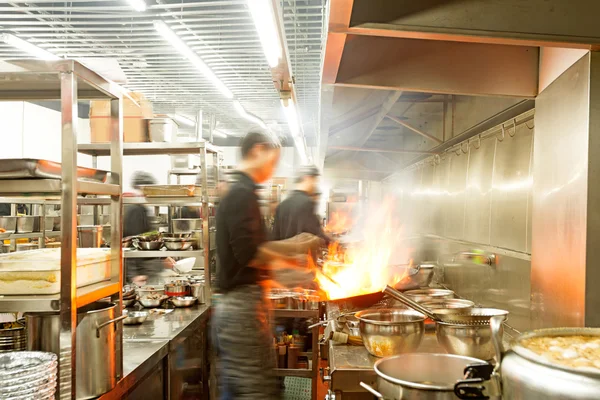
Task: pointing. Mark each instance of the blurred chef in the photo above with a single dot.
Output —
(245, 260)
(297, 213)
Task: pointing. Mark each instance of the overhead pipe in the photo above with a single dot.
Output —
(373, 150)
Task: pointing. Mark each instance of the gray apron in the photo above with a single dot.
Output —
(246, 356)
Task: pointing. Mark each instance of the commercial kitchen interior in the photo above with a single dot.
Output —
(472, 120)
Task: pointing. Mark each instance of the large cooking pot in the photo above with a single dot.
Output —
(525, 375)
(419, 376)
(98, 358)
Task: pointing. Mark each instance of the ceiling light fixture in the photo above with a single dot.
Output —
(289, 108)
(183, 120)
(264, 20)
(220, 133)
(137, 5)
(245, 114)
(27, 47)
(183, 48)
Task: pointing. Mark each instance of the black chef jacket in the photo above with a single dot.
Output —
(240, 232)
(296, 215)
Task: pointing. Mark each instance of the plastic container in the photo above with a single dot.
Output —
(38, 271)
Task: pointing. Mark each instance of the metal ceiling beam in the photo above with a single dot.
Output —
(415, 130)
(372, 150)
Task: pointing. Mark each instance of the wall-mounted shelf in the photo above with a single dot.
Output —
(149, 149)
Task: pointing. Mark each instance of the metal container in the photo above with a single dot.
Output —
(97, 355)
(420, 376)
(13, 337)
(150, 290)
(90, 236)
(154, 245)
(162, 129)
(151, 302)
(183, 301)
(28, 224)
(52, 224)
(467, 340)
(526, 375)
(391, 331)
(4, 248)
(305, 302)
(198, 291)
(184, 225)
(447, 303)
(135, 317)
(9, 224)
(27, 246)
(178, 244)
(421, 295)
(280, 301)
(177, 288)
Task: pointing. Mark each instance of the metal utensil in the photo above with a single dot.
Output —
(156, 245)
(185, 301)
(467, 340)
(178, 244)
(387, 332)
(149, 302)
(135, 317)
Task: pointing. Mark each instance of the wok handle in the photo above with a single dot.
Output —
(409, 302)
(370, 389)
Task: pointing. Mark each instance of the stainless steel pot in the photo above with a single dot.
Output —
(198, 291)
(522, 374)
(177, 288)
(419, 376)
(28, 224)
(420, 295)
(387, 332)
(99, 358)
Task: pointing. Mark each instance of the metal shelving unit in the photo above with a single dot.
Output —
(311, 373)
(70, 82)
(203, 149)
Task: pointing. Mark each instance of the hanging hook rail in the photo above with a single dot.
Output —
(514, 127)
(503, 134)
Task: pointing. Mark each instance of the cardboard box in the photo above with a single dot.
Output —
(135, 119)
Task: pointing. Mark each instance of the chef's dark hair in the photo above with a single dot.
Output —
(306, 170)
(257, 137)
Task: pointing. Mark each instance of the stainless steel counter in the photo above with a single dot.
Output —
(146, 348)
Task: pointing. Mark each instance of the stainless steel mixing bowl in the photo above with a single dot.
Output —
(391, 331)
(467, 340)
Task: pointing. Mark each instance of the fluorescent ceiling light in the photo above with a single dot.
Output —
(292, 116)
(137, 5)
(183, 120)
(27, 47)
(183, 48)
(220, 133)
(264, 20)
(250, 117)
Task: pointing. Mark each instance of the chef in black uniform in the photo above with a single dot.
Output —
(245, 261)
(297, 213)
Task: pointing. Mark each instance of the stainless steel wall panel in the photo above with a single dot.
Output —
(479, 191)
(457, 182)
(560, 175)
(510, 189)
(427, 202)
(439, 196)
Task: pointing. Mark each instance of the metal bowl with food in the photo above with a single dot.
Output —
(143, 245)
(135, 317)
(184, 301)
(175, 236)
(150, 290)
(391, 331)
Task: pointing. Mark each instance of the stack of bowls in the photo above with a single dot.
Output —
(27, 375)
(13, 337)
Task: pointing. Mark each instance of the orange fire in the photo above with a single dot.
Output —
(364, 268)
(339, 222)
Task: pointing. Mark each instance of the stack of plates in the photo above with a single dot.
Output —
(27, 375)
(12, 337)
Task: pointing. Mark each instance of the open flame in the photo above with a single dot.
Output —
(339, 222)
(363, 268)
